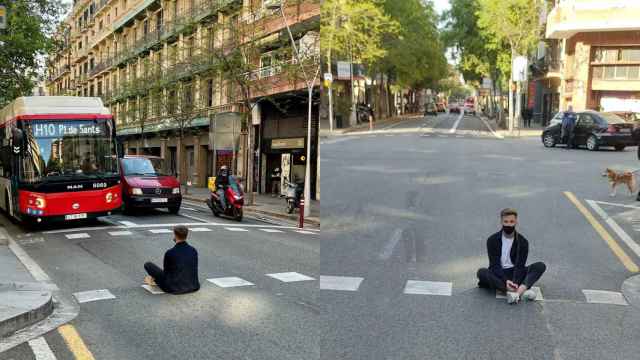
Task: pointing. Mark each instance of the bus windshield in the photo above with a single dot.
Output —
(68, 150)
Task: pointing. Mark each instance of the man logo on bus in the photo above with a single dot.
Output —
(16, 149)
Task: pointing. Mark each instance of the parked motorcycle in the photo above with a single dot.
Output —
(294, 194)
(363, 112)
(234, 197)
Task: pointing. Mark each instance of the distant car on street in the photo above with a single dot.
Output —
(430, 109)
(593, 130)
(441, 106)
(454, 107)
(470, 106)
(144, 187)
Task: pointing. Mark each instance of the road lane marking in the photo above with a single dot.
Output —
(78, 236)
(455, 124)
(491, 129)
(615, 204)
(75, 343)
(41, 350)
(127, 223)
(194, 218)
(340, 283)
(604, 297)
(160, 231)
(614, 225)
(306, 232)
(428, 288)
(199, 229)
(615, 247)
(154, 290)
(120, 233)
(188, 208)
(290, 277)
(235, 229)
(93, 295)
(232, 281)
(271, 230)
(387, 251)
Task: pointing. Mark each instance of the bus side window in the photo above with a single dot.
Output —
(5, 153)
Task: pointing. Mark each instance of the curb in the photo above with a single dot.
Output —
(263, 212)
(631, 290)
(30, 316)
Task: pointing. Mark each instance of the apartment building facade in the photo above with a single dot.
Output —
(157, 65)
(599, 66)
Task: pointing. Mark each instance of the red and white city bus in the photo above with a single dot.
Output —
(58, 159)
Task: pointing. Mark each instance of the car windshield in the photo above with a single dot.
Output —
(138, 166)
(611, 118)
(63, 150)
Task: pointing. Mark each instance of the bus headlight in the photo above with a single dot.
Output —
(109, 197)
(176, 190)
(40, 203)
(136, 191)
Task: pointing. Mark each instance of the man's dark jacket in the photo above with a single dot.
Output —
(519, 253)
(180, 269)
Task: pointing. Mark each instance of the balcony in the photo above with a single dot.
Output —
(101, 67)
(63, 70)
(575, 16)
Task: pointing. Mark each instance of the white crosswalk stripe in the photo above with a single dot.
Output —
(78, 236)
(306, 232)
(235, 229)
(160, 231)
(232, 281)
(290, 277)
(120, 233)
(604, 297)
(271, 230)
(200, 229)
(428, 288)
(93, 295)
(341, 283)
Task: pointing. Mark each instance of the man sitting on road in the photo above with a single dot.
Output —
(507, 272)
(180, 274)
(568, 127)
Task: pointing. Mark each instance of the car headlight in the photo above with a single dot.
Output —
(176, 190)
(136, 191)
(40, 203)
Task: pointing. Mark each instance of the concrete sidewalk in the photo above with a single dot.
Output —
(23, 300)
(377, 125)
(264, 205)
(520, 132)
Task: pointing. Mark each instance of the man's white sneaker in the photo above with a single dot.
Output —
(512, 297)
(529, 295)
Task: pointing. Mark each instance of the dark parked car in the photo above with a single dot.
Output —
(593, 129)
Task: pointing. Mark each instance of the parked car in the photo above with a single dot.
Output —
(143, 186)
(441, 106)
(430, 109)
(470, 106)
(593, 130)
(454, 107)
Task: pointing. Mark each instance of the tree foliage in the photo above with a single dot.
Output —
(27, 39)
(355, 28)
(415, 55)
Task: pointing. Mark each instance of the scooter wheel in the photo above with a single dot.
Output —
(290, 208)
(239, 215)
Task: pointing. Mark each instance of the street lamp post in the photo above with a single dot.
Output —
(310, 83)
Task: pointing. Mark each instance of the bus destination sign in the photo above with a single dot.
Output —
(67, 129)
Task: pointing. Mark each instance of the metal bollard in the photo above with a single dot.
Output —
(301, 222)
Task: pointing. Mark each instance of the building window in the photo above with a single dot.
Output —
(159, 21)
(172, 102)
(210, 92)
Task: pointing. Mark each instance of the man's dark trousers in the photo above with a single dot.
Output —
(488, 279)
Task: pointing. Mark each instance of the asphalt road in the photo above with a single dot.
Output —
(270, 320)
(420, 206)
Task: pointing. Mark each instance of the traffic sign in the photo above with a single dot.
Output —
(3, 17)
(328, 77)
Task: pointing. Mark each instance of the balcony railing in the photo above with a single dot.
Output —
(63, 70)
(101, 66)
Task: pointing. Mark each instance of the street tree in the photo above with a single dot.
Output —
(414, 55)
(512, 24)
(25, 42)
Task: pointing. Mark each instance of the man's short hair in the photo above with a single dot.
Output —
(181, 232)
(508, 212)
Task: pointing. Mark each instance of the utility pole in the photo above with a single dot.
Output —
(333, 25)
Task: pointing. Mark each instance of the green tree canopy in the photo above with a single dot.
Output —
(25, 42)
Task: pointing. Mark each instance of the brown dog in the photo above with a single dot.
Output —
(617, 178)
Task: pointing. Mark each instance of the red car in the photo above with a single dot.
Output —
(144, 187)
(469, 106)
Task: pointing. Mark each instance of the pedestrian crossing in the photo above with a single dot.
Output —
(199, 229)
(442, 288)
(227, 282)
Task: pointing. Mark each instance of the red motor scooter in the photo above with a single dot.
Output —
(234, 197)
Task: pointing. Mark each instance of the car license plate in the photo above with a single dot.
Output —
(159, 200)
(625, 130)
(75, 216)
